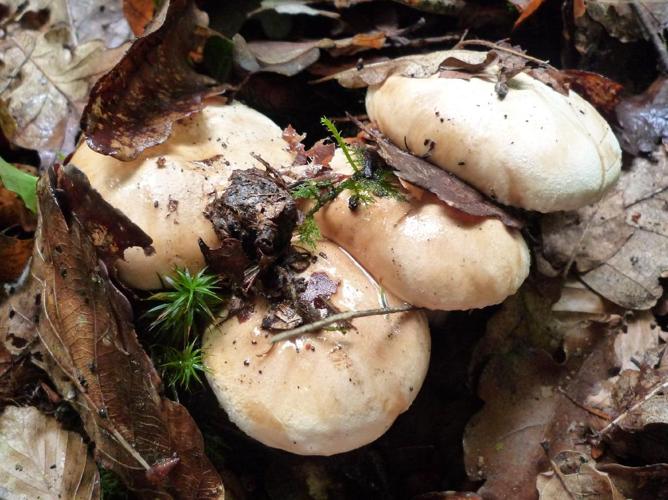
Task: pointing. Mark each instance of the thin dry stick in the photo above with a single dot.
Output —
(335, 318)
(593, 411)
(496, 46)
(622, 415)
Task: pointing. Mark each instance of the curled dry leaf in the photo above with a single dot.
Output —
(375, 73)
(620, 244)
(648, 482)
(109, 229)
(45, 78)
(39, 459)
(290, 58)
(643, 119)
(576, 476)
(134, 106)
(87, 330)
(446, 186)
(601, 92)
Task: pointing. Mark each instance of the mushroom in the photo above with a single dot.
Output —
(326, 392)
(427, 253)
(166, 189)
(536, 148)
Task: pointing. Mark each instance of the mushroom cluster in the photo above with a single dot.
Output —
(334, 390)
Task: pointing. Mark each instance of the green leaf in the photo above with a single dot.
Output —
(21, 183)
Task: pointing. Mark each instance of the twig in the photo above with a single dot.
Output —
(335, 318)
(496, 46)
(652, 30)
(593, 411)
(634, 407)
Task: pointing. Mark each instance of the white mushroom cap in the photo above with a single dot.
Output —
(327, 392)
(166, 189)
(427, 253)
(536, 148)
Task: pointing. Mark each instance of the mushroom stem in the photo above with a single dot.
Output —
(500, 48)
(335, 318)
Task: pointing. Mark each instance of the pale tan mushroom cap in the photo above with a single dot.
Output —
(427, 253)
(536, 149)
(166, 189)
(323, 393)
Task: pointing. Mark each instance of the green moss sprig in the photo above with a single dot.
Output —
(364, 187)
(192, 298)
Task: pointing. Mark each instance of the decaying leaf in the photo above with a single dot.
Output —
(620, 20)
(134, 105)
(506, 435)
(14, 256)
(45, 78)
(601, 92)
(446, 186)
(110, 230)
(39, 459)
(87, 329)
(375, 73)
(648, 482)
(536, 432)
(290, 58)
(619, 245)
(576, 476)
(643, 119)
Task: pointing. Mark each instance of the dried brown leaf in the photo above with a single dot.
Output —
(649, 482)
(45, 78)
(134, 106)
(138, 13)
(14, 256)
(87, 329)
(110, 230)
(290, 58)
(536, 408)
(620, 244)
(375, 73)
(577, 477)
(502, 442)
(39, 459)
(601, 92)
(643, 119)
(620, 20)
(447, 187)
